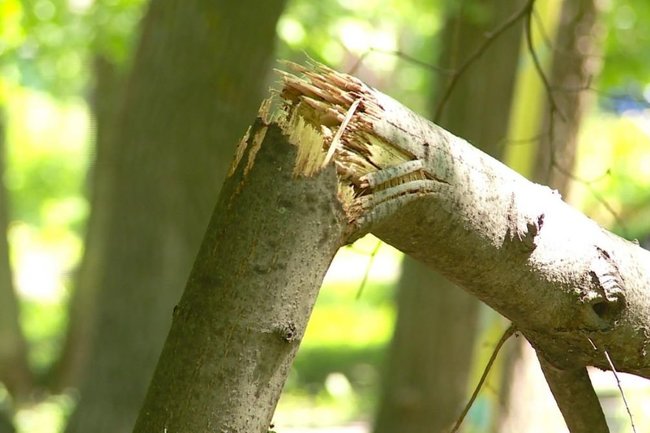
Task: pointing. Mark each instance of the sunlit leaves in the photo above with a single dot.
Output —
(367, 36)
(614, 172)
(628, 40)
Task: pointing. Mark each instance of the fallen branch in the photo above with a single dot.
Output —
(566, 284)
(559, 277)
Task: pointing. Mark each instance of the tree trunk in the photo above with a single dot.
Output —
(6, 425)
(15, 374)
(246, 304)
(573, 68)
(70, 366)
(425, 386)
(575, 65)
(198, 73)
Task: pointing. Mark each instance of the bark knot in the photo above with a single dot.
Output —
(604, 296)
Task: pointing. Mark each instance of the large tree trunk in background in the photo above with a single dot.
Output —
(15, 374)
(6, 425)
(425, 385)
(528, 404)
(196, 81)
(576, 62)
(105, 102)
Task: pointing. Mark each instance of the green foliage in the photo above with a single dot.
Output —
(335, 377)
(46, 44)
(42, 322)
(371, 38)
(47, 159)
(614, 168)
(626, 60)
(116, 27)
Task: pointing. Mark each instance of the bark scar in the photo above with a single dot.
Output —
(522, 229)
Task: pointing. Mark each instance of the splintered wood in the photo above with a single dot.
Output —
(330, 116)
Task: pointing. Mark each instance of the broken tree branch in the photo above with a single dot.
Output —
(567, 284)
(559, 277)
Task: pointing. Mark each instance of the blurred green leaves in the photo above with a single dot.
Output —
(626, 62)
(46, 44)
(46, 52)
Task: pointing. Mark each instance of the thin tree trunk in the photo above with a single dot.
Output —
(15, 373)
(425, 385)
(577, 45)
(198, 73)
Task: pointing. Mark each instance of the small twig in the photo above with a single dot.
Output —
(620, 388)
(400, 55)
(507, 334)
(537, 63)
(366, 274)
(336, 141)
(518, 141)
(490, 37)
(618, 384)
(353, 70)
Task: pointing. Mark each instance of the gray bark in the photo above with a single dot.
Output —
(198, 74)
(249, 296)
(425, 385)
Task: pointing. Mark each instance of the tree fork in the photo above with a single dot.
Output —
(573, 289)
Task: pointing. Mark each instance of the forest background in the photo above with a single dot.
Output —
(63, 65)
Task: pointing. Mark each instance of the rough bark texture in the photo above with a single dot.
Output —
(249, 296)
(196, 81)
(577, 44)
(425, 385)
(572, 288)
(561, 278)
